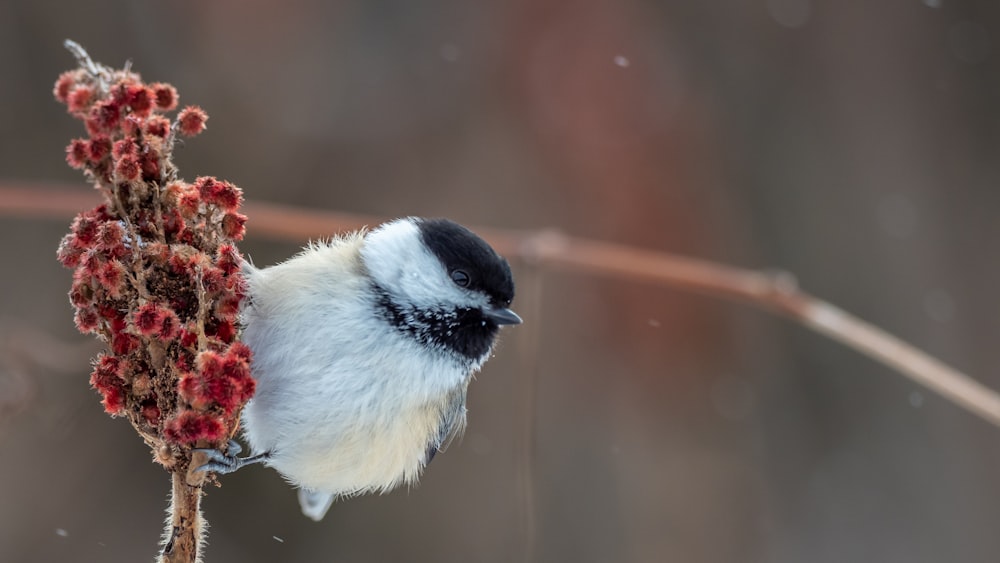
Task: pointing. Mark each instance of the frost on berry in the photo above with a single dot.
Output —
(164, 95)
(65, 83)
(77, 152)
(191, 121)
(190, 427)
(79, 99)
(158, 126)
(156, 272)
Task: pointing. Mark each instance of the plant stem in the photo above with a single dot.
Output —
(183, 538)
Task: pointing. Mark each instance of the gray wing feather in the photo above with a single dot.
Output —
(452, 422)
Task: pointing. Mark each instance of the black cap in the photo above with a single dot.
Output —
(459, 248)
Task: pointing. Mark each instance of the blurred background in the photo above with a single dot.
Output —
(854, 144)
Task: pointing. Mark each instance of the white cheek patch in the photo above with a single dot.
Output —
(398, 260)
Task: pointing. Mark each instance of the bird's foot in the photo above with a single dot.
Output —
(223, 463)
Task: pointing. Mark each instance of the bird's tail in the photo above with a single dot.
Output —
(315, 504)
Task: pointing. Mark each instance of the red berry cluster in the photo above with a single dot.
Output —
(156, 271)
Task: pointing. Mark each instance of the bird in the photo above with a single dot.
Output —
(364, 346)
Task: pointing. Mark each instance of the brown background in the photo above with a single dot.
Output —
(852, 143)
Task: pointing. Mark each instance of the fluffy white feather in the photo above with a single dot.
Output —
(338, 411)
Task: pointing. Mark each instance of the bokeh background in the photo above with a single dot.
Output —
(854, 144)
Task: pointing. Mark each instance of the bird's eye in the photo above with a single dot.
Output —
(460, 277)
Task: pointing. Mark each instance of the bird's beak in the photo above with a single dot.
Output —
(502, 316)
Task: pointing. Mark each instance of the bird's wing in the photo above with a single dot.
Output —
(452, 422)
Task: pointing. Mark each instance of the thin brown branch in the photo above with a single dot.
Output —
(775, 292)
(772, 291)
(51, 201)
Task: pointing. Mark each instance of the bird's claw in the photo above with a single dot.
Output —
(223, 463)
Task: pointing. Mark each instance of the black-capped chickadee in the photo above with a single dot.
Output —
(363, 350)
